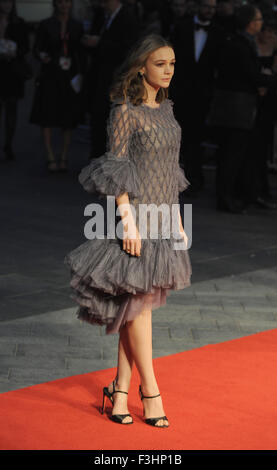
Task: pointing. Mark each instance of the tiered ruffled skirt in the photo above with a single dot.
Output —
(112, 286)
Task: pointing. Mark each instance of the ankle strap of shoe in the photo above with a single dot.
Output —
(153, 396)
(144, 396)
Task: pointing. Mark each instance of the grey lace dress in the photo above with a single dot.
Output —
(110, 285)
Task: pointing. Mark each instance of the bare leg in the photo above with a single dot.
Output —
(140, 340)
(124, 373)
(47, 139)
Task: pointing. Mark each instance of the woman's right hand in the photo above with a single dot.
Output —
(131, 235)
(132, 241)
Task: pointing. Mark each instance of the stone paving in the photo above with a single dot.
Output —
(233, 256)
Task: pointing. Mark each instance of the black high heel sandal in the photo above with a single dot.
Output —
(152, 421)
(116, 418)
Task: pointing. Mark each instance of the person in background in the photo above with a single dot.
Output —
(58, 97)
(196, 42)
(152, 21)
(260, 149)
(225, 15)
(191, 7)
(233, 112)
(14, 45)
(136, 9)
(171, 13)
(113, 32)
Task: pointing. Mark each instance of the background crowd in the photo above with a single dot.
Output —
(224, 86)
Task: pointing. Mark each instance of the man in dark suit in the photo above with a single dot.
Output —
(239, 81)
(196, 42)
(114, 32)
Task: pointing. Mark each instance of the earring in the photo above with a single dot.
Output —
(141, 74)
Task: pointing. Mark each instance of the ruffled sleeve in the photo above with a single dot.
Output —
(114, 173)
(183, 183)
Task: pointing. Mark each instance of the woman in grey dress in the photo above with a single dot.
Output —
(118, 281)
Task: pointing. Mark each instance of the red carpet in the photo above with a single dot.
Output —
(217, 397)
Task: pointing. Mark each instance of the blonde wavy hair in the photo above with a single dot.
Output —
(127, 81)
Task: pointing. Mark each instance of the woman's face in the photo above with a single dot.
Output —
(159, 68)
(63, 6)
(6, 6)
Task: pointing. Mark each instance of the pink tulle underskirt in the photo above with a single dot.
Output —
(135, 304)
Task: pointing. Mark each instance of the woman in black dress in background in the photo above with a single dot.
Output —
(260, 148)
(14, 45)
(263, 143)
(58, 97)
